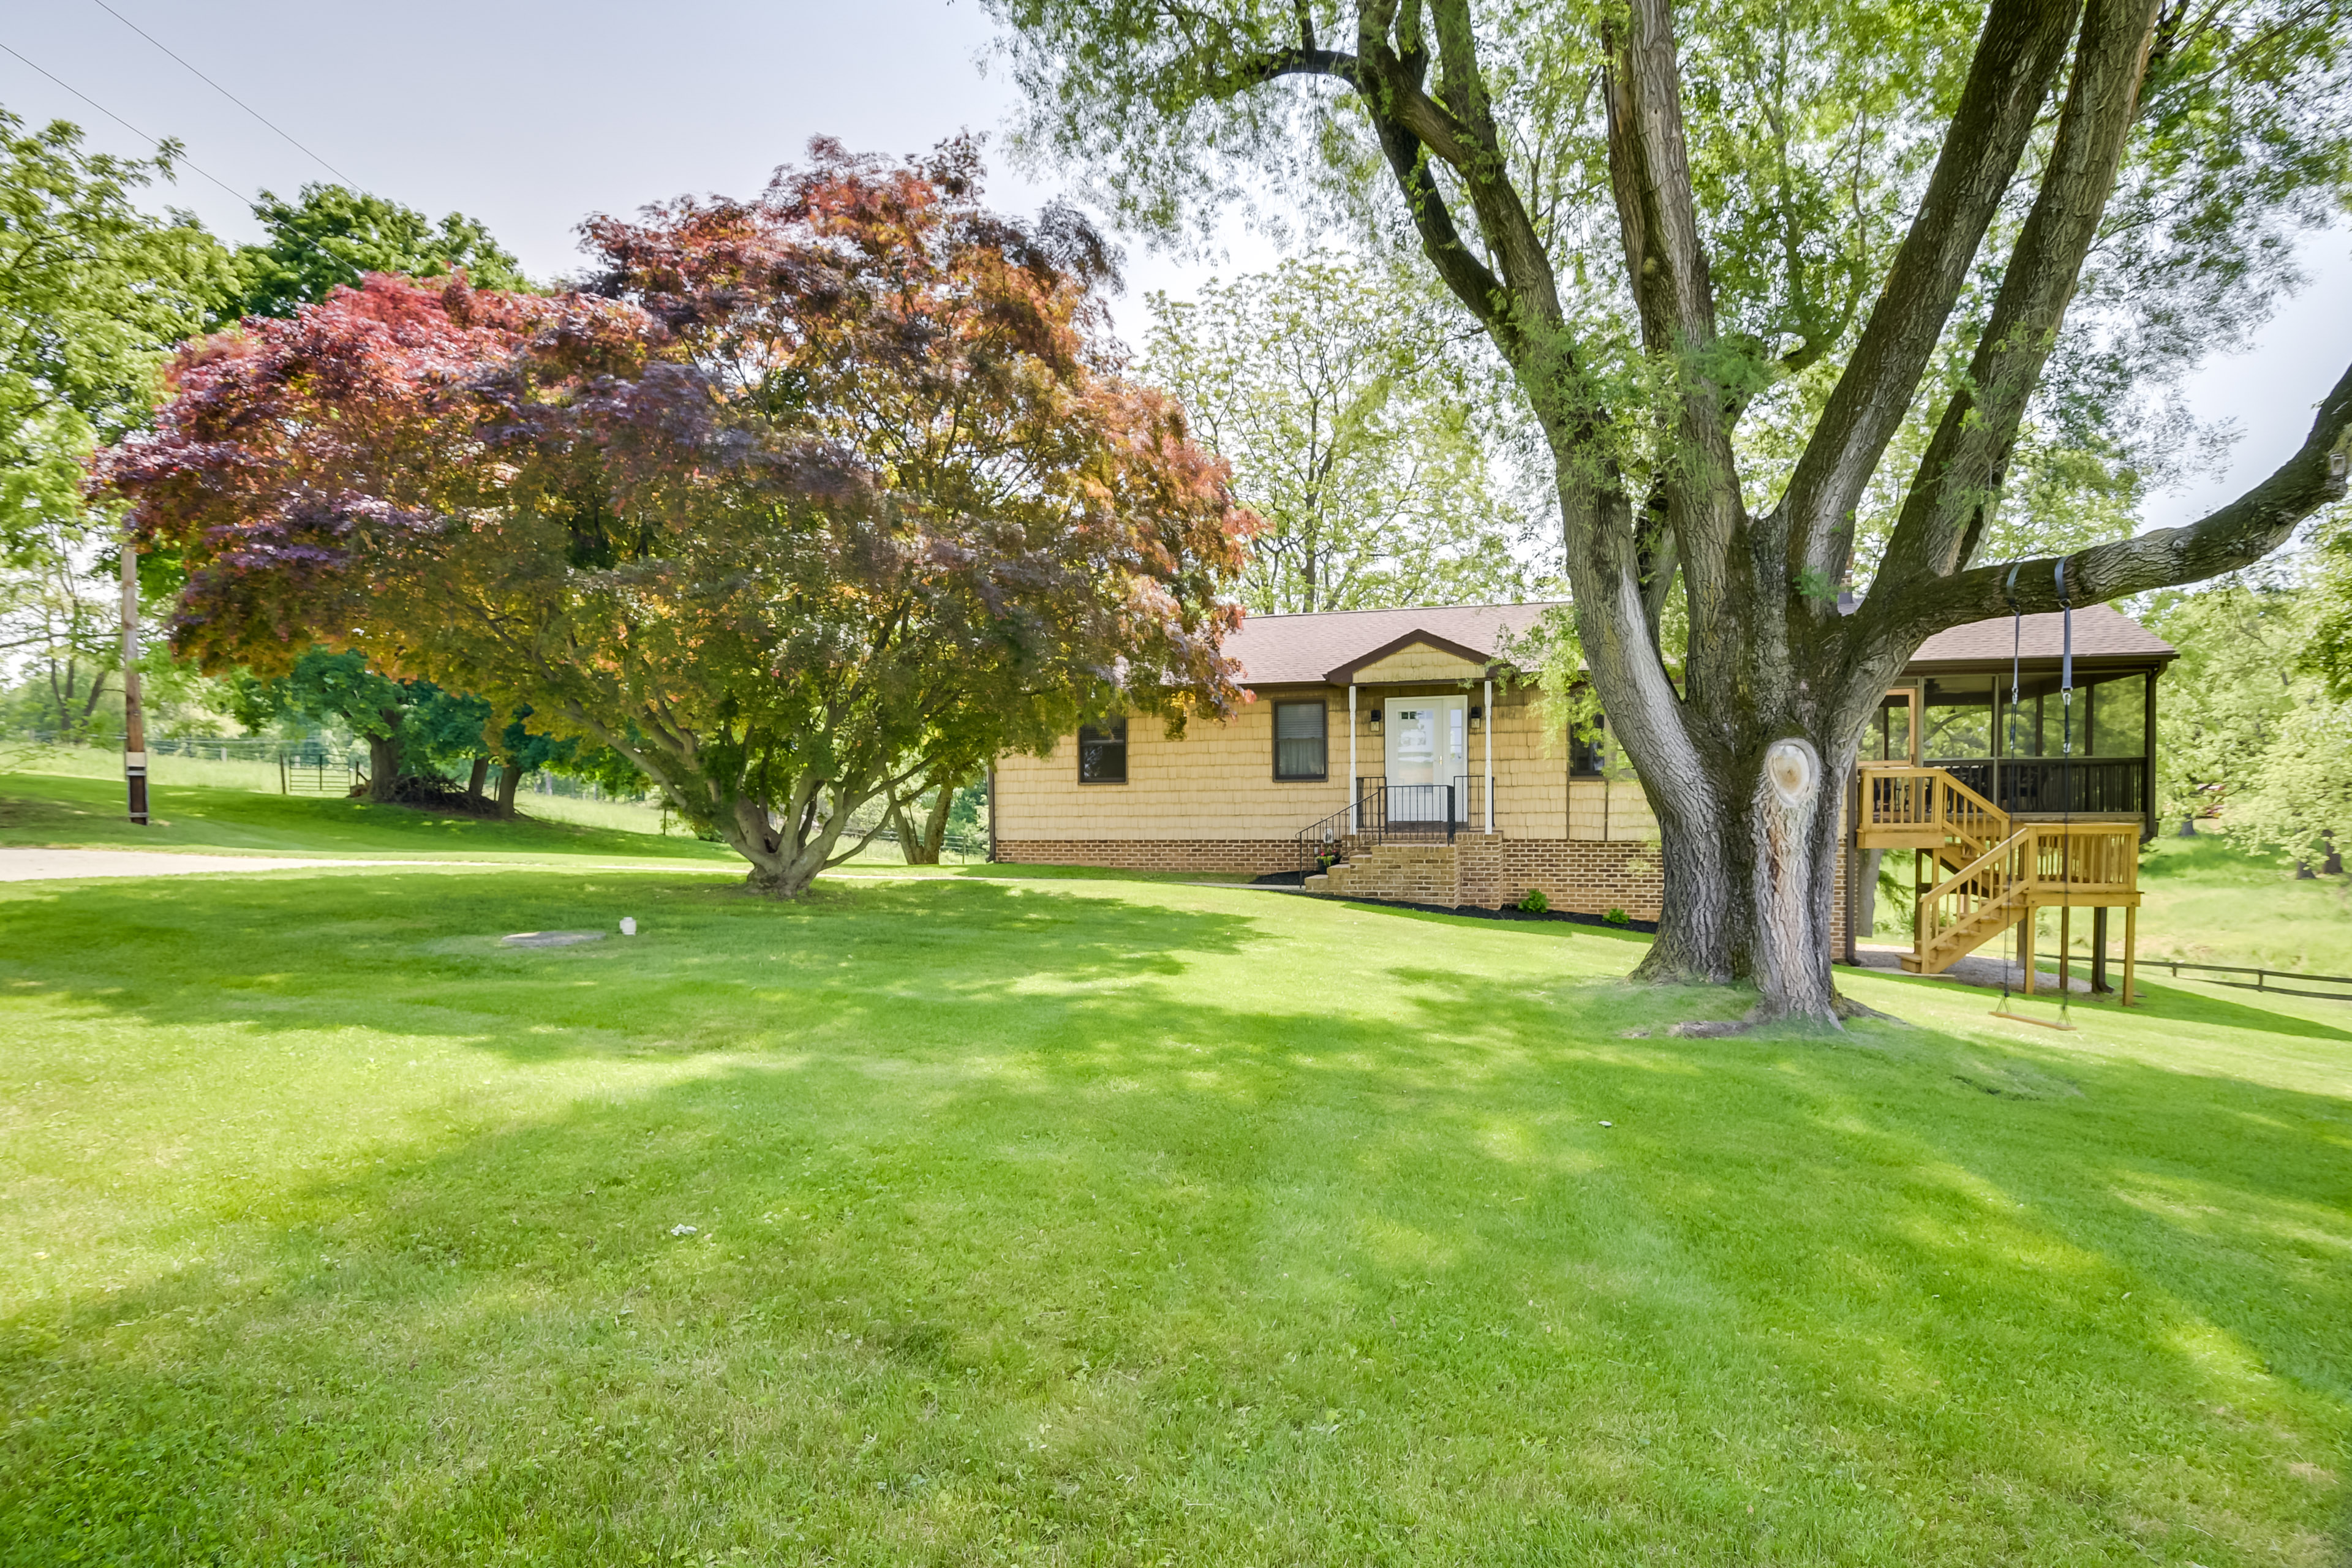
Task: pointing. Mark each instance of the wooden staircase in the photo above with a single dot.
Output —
(1994, 873)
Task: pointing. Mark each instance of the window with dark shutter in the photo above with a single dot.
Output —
(1300, 743)
(1102, 751)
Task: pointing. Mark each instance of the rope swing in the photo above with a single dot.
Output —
(2066, 784)
(2066, 848)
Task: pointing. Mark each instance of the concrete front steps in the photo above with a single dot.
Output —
(1467, 871)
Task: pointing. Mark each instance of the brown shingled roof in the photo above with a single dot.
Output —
(2101, 632)
(1275, 650)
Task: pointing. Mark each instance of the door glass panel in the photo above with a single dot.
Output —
(1413, 746)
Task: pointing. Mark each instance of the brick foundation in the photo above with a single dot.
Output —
(1484, 870)
(1256, 856)
(1587, 876)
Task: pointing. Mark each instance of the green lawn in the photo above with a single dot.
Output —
(2208, 901)
(170, 772)
(1063, 1219)
(54, 811)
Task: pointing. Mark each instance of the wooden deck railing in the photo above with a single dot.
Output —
(1929, 803)
(2041, 865)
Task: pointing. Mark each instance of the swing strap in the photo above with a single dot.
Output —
(2016, 663)
(2066, 766)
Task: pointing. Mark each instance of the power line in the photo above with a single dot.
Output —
(86, 98)
(225, 92)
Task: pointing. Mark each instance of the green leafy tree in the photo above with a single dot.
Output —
(334, 235)
(2296, 795)
(1912, 248)
(804, 498)
(413, 729)
(522, 750)
(2223, 701)
(323, 687)
(330, 238)
(1350, 427)
(94, 295)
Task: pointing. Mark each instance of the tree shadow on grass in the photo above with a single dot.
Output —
(712, 968)
(1126, 1272)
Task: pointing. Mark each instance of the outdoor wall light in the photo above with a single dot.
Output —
(1477, 719)
(1372, 718)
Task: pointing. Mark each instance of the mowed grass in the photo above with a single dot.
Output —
(2209, 901)
(173, 771)
(1097, 1220)
(52, 811)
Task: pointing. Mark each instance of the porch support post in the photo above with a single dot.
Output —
(2131, 951)
(1354, 825)
(1489, 728)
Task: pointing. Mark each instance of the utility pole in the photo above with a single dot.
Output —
(134, 722)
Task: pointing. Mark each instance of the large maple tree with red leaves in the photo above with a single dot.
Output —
(795, 501)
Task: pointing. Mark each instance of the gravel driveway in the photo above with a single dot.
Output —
(56, 865)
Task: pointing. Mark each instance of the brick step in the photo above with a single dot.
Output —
(1395, 873)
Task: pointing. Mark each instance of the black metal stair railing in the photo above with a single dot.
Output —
(2054, 784)
(1382, 814)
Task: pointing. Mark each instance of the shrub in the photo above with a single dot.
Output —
(1618, 917)
(1535, 903)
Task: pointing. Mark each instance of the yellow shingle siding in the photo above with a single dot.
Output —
(1218, 782)
(1419, 662)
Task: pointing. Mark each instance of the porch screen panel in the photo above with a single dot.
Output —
(1301, 744)
(2118, 715)
(1958, 722)
(1890, 739)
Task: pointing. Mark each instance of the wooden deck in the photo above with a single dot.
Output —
(1993, 873)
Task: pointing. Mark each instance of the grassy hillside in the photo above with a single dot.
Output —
(1092, 1220)
(177, 769)
(56, 811)
(2208, 901)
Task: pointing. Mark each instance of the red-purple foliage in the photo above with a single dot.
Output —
(797, 499)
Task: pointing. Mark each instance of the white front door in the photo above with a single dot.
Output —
(1428, 743)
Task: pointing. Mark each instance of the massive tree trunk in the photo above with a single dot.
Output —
(510, 781)
(478, 778)
(1749, 823)
(789, 843)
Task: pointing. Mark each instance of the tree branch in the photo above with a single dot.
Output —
(1649, 168)
(2017, 58)
(2237, 535)
(1470, 149)
(1940, 521)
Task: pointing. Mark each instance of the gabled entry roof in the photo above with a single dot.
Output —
(1330, 647)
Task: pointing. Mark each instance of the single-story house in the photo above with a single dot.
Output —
(1420, 716)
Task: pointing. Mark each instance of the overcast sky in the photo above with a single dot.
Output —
(528, 116)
